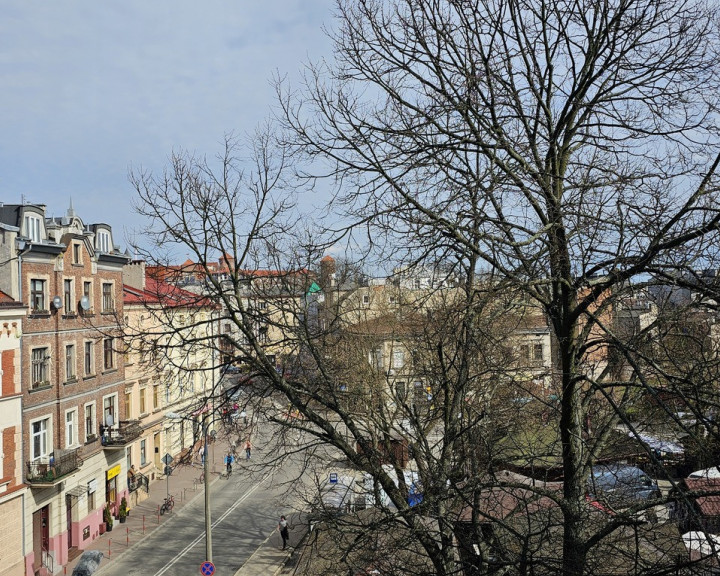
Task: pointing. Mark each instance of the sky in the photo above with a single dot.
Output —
(91, 90)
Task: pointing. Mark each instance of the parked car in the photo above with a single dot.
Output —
(707, 473)
(621, 485)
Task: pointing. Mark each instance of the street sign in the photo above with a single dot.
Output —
(167, 459)
(333, 477)
(207, 568)
(168, 470)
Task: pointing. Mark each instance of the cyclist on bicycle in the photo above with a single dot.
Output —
(229, 459)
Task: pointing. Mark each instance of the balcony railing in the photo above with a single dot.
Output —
(50, 470)
(138, 481)
(126, 432)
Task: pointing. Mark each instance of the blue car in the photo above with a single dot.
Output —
(621, 485)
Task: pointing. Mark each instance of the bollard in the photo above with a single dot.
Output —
(127, 537)
(143, 523)
(109, 551)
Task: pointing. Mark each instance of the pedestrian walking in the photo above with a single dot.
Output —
(228, 463)
(248, 449)
(243, 415)
(284, 531)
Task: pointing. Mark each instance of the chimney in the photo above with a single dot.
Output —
(134, 274)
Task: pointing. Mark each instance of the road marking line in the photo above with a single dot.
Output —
(201, 537)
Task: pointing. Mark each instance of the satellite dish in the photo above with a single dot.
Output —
(57, 302)
(85, 303)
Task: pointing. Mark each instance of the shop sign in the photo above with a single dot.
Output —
(114, 471)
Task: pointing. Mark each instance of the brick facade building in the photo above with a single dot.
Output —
(69, 278)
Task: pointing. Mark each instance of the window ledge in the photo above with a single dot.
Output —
(41, 387)
(71, 381)
(109, 371)
(39, 314)
(91, 439)
(69, 315)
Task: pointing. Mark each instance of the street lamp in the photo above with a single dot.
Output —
(206, 479)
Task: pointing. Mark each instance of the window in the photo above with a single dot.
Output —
(398, 359)
(525, 352)
(69, 362)
(68, 294)
(366, 299)
(376, 358)
(77, 251)
(143, 407)
(87, 290)
(37, 295)
(39, 447)
(392, 299)
(32, 227)
(108, 353)
(103, 241)
(71, 432)
(128, 405)
(143, 452)
(156, 396)
(538, 351)
(40, 367)
(88, 360)
(89, 422)
(107, 299)
(110, 410)
(400, 390)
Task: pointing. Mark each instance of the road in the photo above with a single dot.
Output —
(245, 510)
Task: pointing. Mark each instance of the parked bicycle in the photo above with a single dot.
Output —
(167, 505)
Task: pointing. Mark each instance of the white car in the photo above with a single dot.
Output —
(702, 543)
(708, 473)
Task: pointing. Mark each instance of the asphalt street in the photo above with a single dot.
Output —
(245, 511)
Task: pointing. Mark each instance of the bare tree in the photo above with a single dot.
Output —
(557, 160)
(568, 146)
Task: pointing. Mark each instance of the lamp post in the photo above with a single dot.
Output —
(206, 480)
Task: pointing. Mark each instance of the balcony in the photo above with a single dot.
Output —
(49, 471)
(118, 438)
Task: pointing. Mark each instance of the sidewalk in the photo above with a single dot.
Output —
(145, 519)
(270, 559)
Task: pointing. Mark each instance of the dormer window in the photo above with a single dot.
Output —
(32, 227)
(103, 241)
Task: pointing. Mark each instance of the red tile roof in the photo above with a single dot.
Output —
(161, 293)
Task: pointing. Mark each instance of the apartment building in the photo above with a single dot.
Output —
(12, 489)
(171, 361)
(68, 277)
